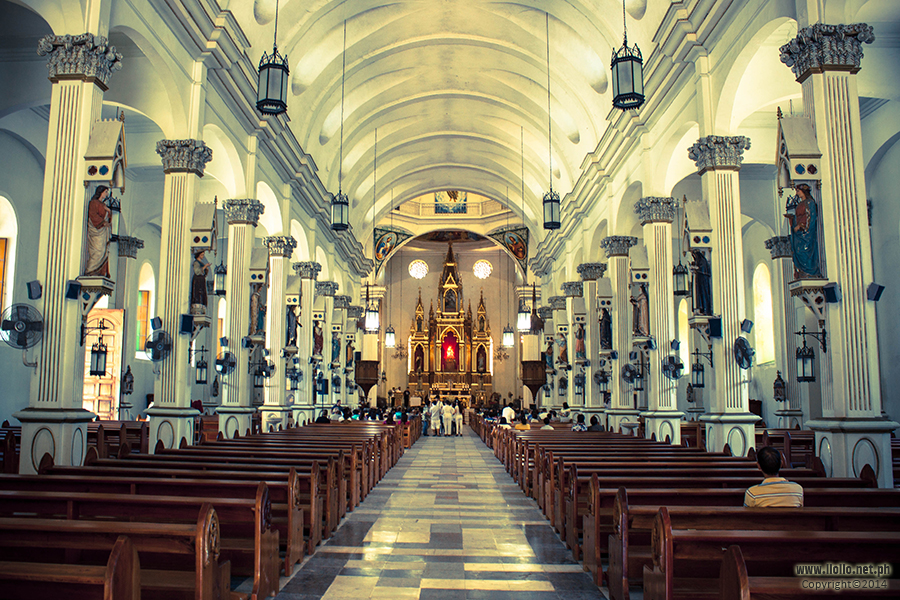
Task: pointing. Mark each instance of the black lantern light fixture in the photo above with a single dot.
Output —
(259, 376)
(627, 71)
(551, 198)
(698, 376)
(98, 358)
(637, 384)
(271, 91)
(806, 356)
(778, 388)
(681, 280)
(201, 367)
(220, 272)
(603, 381)
(340, 204)
(373, 321)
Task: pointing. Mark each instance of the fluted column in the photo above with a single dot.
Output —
(304, 398)
(529, 345)
(573, 290)
(325, 291)
(590, 273)
(242, 216)
(80, 68)
(789, 413)
(729, 420)
(547, 394)
(275, 411)
(354, 314)
(341, 306)
(560, 322)
(621, 404)
(851, 433)
(662, 417)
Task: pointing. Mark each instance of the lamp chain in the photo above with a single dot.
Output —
(275, 38)
(343, 75)
(549, 120)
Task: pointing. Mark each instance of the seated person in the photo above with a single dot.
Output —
(523, 425)
(323, 417)
(579, 423)
(503, 424)
(774, 490)
(595, 424)
(547, 424)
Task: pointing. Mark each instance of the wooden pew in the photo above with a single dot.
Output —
(10, 442)
(118, 579)
(735, 583)
(685, 560)
(629, 544)
(247, 539)
(179, 561)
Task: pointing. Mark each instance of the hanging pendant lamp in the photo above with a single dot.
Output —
(271, 90)
(627, 70)
(390, 336)
(340, 204)
(551, 198)
(373, 318)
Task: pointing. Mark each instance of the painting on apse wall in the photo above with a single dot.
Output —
(451, 202)
(386, 241)
(516, 243)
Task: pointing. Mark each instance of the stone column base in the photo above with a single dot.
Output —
(789, 419)
(211, 406)
(305, 413)
(615, 416)
(61, 433)
(171, 426)
(665, 424)
(272, 417)
(234, 420)
(694, 412)
(845, 446)
(735, 429)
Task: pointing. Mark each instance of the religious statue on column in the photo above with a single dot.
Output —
(335, 348)
(290, 338)
(350, 350)
(548, 355)
(580, 352)
(99, 227)
(803, 214)
(318, 339)
(199, 269)
(641, 313)
(702, 283)
(257, 310)
(605, 329)
(563, 344)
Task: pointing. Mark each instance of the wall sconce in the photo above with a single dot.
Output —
(698, 377)
(98, 358)
(806, 356)
(682, 286)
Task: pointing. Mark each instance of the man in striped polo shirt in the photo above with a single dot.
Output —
(774, 491)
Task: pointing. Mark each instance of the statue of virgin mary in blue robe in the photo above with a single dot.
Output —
(803, 213)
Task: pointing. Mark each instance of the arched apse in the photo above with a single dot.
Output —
(146, 80)
(271, 217)
(596, 253)
(302, 252)
(322, 259)
(625, 217)
(25, 86)
(63, 17)
(757, 77)
(225, 166)
(575, 259)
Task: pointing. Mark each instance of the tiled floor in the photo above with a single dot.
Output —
(446, 523)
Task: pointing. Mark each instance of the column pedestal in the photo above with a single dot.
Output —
(304, 407)
(621, 407)
(275, 413)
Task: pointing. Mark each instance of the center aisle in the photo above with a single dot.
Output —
(446, 523)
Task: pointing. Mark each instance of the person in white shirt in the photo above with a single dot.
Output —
(436, 416)
(508, 413)
(457, 418)
(565, 415)
(447, 417)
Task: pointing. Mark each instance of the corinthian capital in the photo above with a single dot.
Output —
(545, 313)
(86, 56)
(354, 312)
(653, 209)
(573, 289)
(823, 47)
(184, 156)
(591, 271)
(280, 245)
(617, 245)
(129, 246)
(719, 152)
(326, 288)
(307, 270)
(557, 302)
(341, 301)
(243, 210)
(779, 246)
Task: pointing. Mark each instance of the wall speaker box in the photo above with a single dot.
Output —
(73, 290)
(34, 290)
(155, 323)
(633, 355)
(874, 291)
(746, 325)
(245, 342)
(223, 341)
(187, 324)
(715, 327)
(357, 356)
(832, 293)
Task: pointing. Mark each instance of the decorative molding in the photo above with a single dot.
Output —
(280, 245)
(129, 246)
(823, 47)
(719, 152)
(557, 302)
(591, 271)
(86, 56)
(326, 288)
(240, 211)
(307, 270)
(779, 247)
(654, 209)
(572, 289)
(617, 245)
(545, 313)
(354, 312)
(341, 301)
(184, 156)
